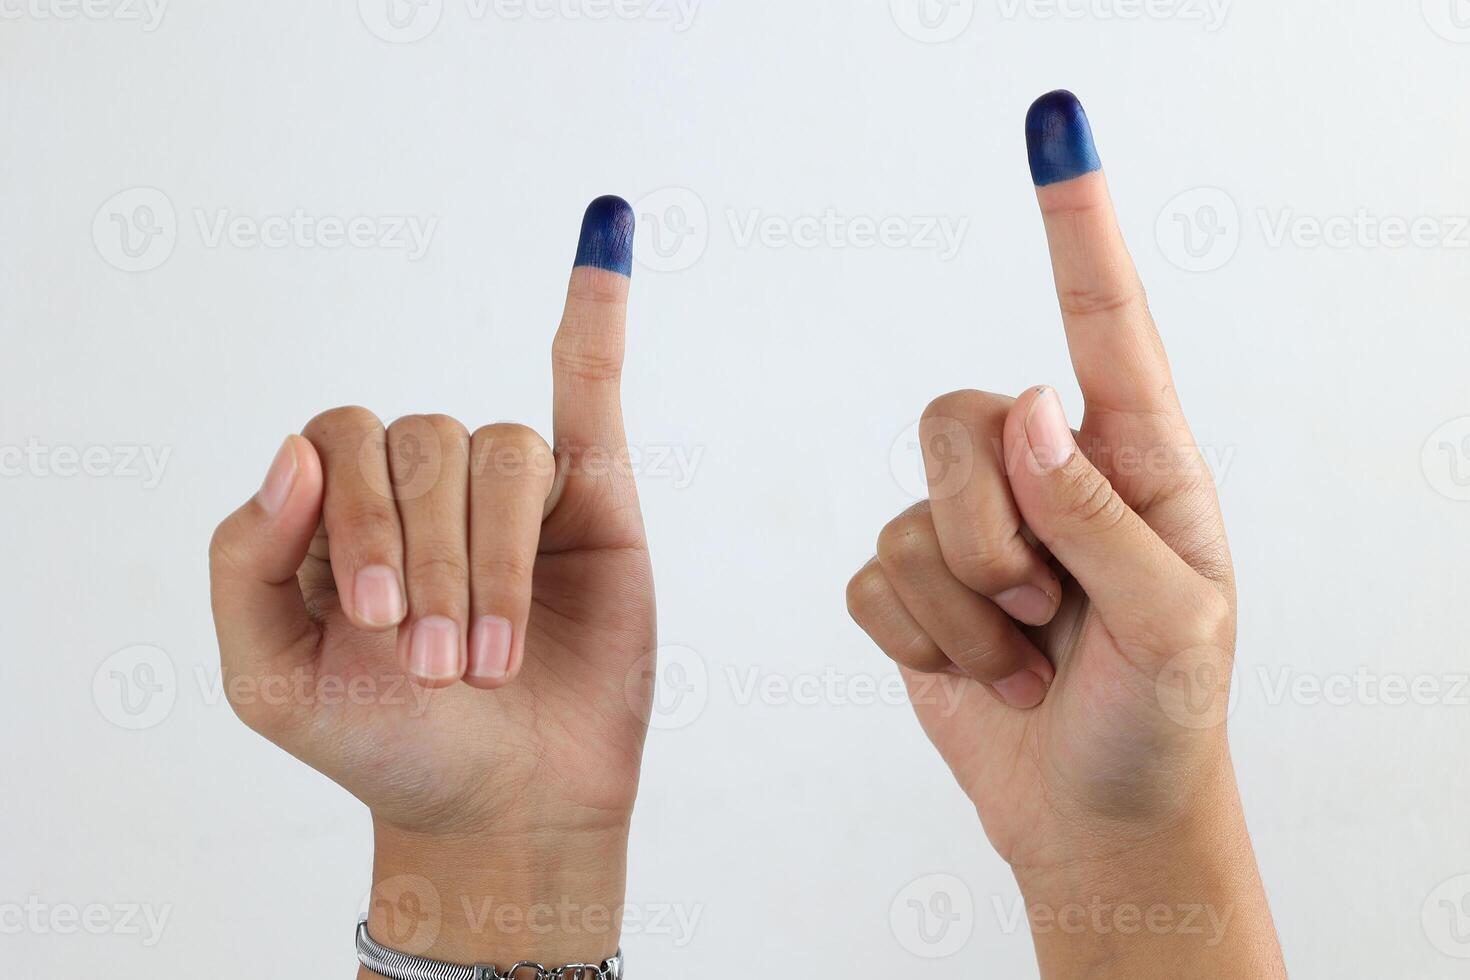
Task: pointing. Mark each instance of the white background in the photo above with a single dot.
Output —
(1318, 376)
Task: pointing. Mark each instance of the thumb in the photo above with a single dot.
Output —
(259, 613)
(1139, 585)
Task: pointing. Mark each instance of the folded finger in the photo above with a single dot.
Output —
(429, 458)
(971, 630)
(511, 475)
(875, 607)
(359, 517)
(980, 530)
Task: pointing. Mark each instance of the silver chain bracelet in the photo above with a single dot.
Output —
(401, 966)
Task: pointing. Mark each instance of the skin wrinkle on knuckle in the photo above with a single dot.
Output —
(435, 564)
(506, 569)
(367, 524)
(982, 661)
(984, 564)
(585, 361)
(1090, 500)
(1104, 298)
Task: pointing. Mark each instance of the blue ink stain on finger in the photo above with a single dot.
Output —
(607, 236)
(1059, 139)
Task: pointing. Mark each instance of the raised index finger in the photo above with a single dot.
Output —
(598, 497)
(1116, 352)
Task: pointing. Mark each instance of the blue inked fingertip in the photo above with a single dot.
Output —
(1059, 139)
(607, 236)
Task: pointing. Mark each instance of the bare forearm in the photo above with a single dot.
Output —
(1187, 904)
(499, 900)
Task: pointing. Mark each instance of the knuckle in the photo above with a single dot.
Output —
(575, 356)
(1214, 618)
(1102, 297)
(364, 524)
(864, 591)
(918, 654)
(447, 430)
(254, 713)
(1091, 500)
(509, 568)
(987, 662)
(906, 541)
(967, 404)
(984, 564)
(511, 450)
(438, 564)
(512, 434)
(346, 419)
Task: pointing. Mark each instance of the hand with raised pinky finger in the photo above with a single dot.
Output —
(1080, 586)
(459, 629)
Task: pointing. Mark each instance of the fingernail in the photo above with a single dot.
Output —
(279, 480)
(1027, 604)
(607, 236)
(434, 651)
(1024, 690)
(1059, 139)
(1052, 443)
(490, 648)
(377, 596)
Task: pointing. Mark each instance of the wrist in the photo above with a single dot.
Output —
(547, 897)
(1158, 903)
